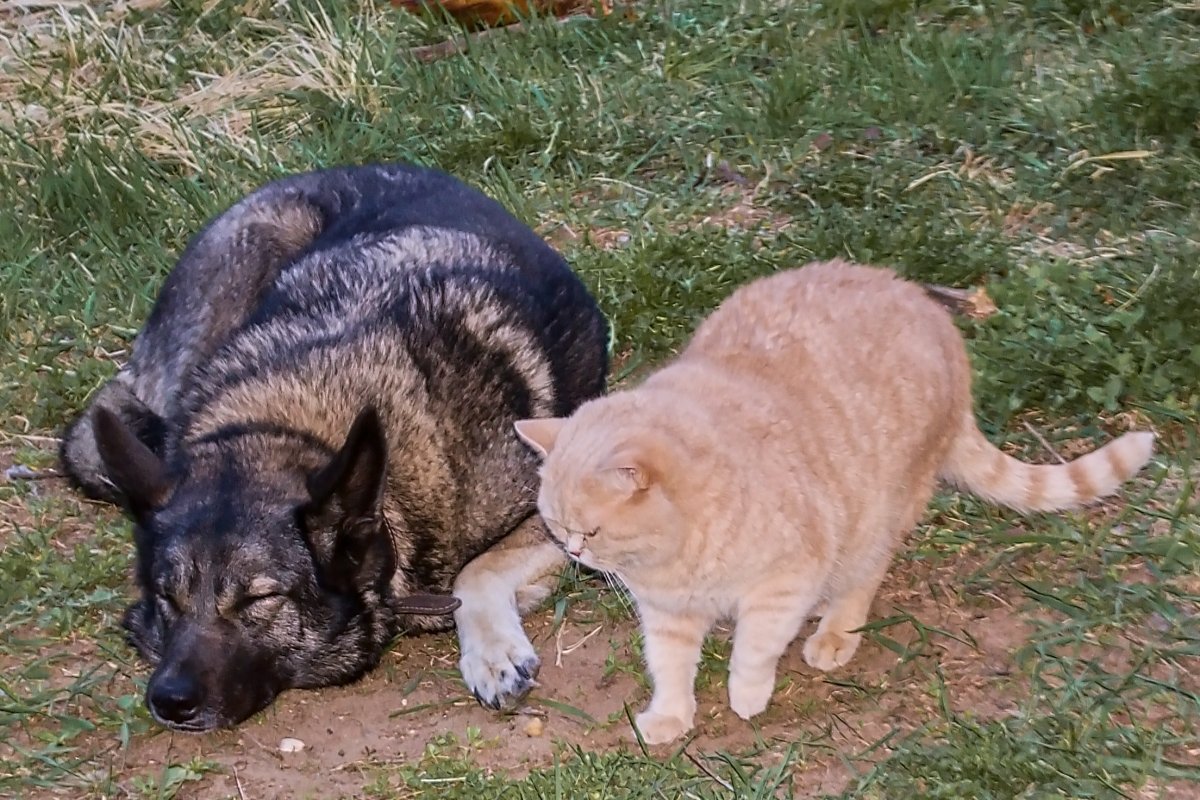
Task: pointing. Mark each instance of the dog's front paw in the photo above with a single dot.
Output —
(498, 669)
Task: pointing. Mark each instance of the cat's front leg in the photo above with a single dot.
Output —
(767, 622)
(836, 639)
(672, 646)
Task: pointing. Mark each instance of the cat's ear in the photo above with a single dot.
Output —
(628, 474)
(540, 434)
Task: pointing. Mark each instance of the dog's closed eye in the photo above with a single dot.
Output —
(261, 587)
(261, 594)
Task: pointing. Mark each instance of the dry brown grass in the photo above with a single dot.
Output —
(85, 71)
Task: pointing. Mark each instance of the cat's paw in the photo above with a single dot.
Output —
(828, 650)
(661, 728)
(749, 698)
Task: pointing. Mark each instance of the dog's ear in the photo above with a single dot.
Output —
(344, 516)
(136, 470)
(355, 476)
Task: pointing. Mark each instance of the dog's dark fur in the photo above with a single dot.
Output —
(316, 422)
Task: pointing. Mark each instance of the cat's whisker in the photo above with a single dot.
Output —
(623, 595)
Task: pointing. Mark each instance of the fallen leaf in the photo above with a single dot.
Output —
(981, 304)
(488, 13)
(975, 303)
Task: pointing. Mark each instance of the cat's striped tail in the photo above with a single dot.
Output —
(976, 464)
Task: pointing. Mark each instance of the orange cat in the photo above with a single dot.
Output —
(775, 465)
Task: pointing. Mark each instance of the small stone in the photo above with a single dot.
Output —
(290, 745)
(534, 727)
(730, 175)
(19, 472)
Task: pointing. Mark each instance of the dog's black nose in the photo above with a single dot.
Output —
(174, 698)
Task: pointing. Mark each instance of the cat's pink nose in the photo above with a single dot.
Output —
(575, 553)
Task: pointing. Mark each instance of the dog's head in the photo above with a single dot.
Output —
(264, 564)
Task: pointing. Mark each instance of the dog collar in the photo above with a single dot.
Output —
(428, 604)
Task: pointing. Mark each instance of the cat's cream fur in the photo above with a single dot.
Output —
(775, 465)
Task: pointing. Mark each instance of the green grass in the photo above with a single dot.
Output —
(1048, 150)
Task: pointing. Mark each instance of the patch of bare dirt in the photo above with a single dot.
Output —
(415, 698)
(949, 632)
(34, 493)
(14, 510)
(351, 734)
(390, 718)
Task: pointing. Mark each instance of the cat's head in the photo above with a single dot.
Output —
(605, 495)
